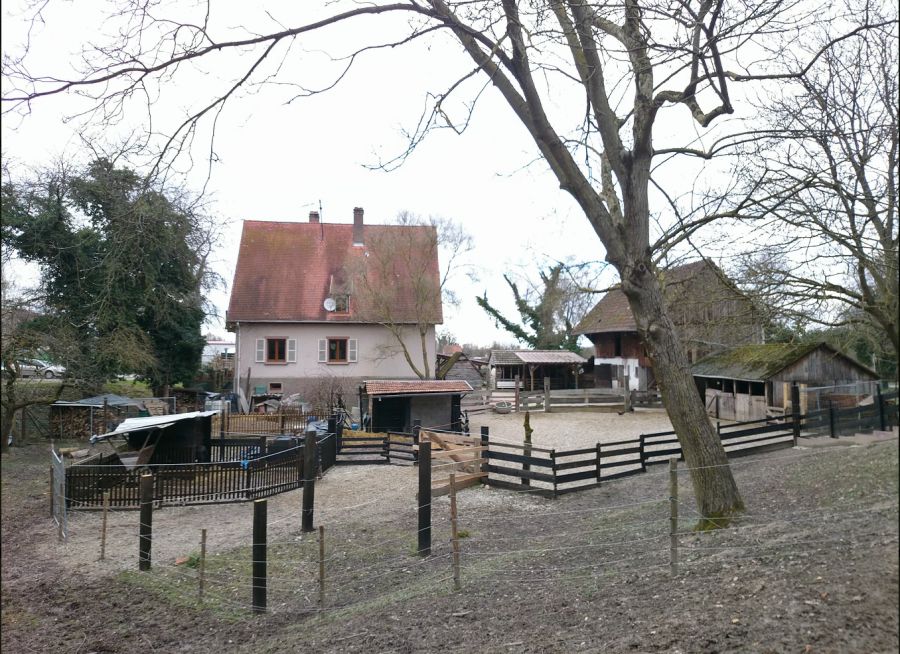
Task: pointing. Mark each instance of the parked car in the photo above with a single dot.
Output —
(38, 368)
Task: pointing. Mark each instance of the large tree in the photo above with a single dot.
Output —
(123, 266)
(548, 310)
(826, 179)
(587, 82)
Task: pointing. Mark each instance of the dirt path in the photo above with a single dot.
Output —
(811, 567)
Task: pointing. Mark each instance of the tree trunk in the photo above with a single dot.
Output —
(714, 487)
(6, 426)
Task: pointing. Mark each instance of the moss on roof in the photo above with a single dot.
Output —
(753, 362)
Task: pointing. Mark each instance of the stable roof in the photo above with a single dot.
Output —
(762, 361)
(534, 357)
(416, 387)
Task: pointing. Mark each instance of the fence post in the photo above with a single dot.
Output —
(417, 428)
(485, 443)
(281, 421)
(553, 459)
(260, 512)
(263, 449)
(516, 402)
(105, 415)
(673, 515)
(103, 527)
(546, 395)
(879, 398)
(832, 425)
(321, 566)
(642, 454)
(309, 478)
(424, 498)
(526, 466)
(598, 462)
(202, 577)
(145, 540)
(53, 493)
(454, 533)
(795, 410)
(387, 446)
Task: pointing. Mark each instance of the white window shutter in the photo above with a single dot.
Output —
(323, 350)
(351, 350)
(292, 350)
(260, 350)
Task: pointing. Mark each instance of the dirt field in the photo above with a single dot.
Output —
(811, 567)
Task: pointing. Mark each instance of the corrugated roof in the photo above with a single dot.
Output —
(761, 361)
(612, 313)
(285, 271)
(534, 357)
(151, 422)
(416, 386)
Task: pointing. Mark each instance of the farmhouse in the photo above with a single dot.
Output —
(301, 319)
(532, 366)
(749, 382)
(709, 312)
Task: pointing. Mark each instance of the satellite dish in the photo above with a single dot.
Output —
(329, 304)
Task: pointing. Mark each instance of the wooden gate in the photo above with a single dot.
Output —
(454, 453)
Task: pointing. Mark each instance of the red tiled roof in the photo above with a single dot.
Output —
(416, 386)
(285, 270)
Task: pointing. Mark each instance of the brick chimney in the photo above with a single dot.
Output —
(357, 226)
(313, 216)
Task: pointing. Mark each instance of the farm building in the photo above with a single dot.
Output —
(458, 366)
(709, 312)
(532, 366)
(753, 381)
(178, 438)
(395, 405)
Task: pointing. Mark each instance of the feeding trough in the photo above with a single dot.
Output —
(502, 407)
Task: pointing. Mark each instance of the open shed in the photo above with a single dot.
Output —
(532, 366)
(395, 405)
(753, 381)
(178, 438)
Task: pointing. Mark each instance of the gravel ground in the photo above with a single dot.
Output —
(811, 567)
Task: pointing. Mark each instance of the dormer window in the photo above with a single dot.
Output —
(342, 303)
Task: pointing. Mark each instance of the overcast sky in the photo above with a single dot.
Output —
(278, 161)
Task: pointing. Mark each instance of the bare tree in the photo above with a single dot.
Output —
(400, 284)
(829, 172)
(587, 81)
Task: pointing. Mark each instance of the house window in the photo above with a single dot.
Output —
(338, 350)
(618, 345)
(276, 350)
(275, 387)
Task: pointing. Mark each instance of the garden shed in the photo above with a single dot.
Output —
(753, 381)
(395, 405)
(83, 418)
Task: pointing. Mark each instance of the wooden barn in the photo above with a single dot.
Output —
(395, 405)
(459, 367)
(753, 381)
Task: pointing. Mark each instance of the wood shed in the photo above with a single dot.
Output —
(149, 440)
(753, 381)
(395, 405)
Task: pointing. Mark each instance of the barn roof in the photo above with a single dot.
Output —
(762, 361)
(416, 387)
(285, 271)
(612, 313)
(534, 357)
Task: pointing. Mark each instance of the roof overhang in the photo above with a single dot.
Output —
(415, 388)
(150, 422)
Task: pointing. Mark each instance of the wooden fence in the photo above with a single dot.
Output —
(263, 423)
(575, 399)
(240, 469)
